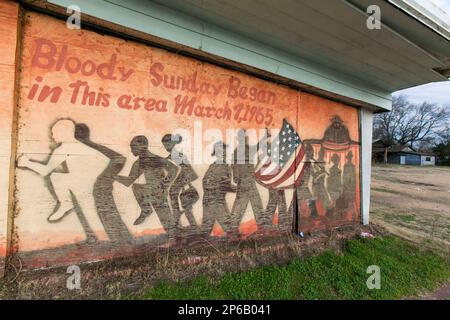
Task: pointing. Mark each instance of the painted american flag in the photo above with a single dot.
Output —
(282, 166)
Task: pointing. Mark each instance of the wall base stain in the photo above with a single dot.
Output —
(134, 273)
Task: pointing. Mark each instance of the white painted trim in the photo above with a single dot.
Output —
(425, 16)
(366, 121)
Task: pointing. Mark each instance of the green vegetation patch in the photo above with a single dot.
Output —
(386, 190)
(408, 218)
(405, 270)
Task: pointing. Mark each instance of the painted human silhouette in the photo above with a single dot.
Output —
(103, 188)
(337, 132)
(217, 182)
(152, 196)
(349, 177)
(347, 200)
(334, 181)
(243, 175)
(277, 197)
(319, 174)
(73, 186)
(182, 194)
(304, 193)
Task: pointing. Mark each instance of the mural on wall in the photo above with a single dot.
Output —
(330, 193)
(124, 143)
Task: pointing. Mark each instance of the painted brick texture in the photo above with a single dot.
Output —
(123, 148)
(9, 14)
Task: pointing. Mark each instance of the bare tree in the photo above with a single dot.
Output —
(409, 124)
(442, 147)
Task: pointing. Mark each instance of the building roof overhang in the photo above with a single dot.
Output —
(321, 46)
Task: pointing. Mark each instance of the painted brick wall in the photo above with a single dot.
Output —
(104, 124)
(8, 35)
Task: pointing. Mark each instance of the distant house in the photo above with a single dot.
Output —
(378, 151)
(401, 154)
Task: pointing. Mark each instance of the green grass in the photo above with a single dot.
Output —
(408, 218)
(386, 190)
(405, 270)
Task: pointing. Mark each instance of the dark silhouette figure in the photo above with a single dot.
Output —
(243, 175)
(153, 195)
(347, 199)
(182, 194)
(277, 197)
(107, 210)
(350, 177)
(217, 182)
(303, 192)
(337, 132)
(334, 182)
(318, 185)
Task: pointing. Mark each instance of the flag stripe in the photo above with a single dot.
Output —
(291, 183)
(288, 166)
(284, 179)
(267, 169)
(287, 170)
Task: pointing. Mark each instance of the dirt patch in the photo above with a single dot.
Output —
(443, 293)
(416, 183)
(414, 203)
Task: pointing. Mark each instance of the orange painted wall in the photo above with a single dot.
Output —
(111, 70)
(8, 35)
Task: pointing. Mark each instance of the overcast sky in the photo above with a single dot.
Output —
(438, 92)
